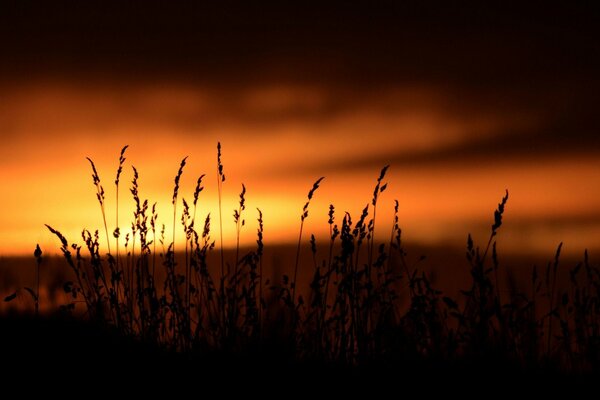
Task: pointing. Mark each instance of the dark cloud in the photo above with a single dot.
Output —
(531, 146)
(350, 43)
(540, 59)
(591, 219)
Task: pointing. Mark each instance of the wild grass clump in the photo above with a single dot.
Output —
(365, 301)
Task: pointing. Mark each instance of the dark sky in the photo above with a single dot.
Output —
(543, 58)
(371, 43)
(463, 100)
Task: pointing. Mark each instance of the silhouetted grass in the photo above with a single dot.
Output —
(365, 302)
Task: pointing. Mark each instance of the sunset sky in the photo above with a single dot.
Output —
(462, 102)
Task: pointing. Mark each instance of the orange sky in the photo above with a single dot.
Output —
(463, 103)
(54, 126)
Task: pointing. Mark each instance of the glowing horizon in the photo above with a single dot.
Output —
(277, 141)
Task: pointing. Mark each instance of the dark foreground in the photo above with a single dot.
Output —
(54, 355)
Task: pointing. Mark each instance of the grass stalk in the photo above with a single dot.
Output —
(302, 218)
(352, 317)
(220, 180)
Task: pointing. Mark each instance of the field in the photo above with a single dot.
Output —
(359, 309)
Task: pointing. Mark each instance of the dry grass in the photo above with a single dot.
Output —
(365, 302)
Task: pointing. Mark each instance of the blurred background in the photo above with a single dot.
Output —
(462, 102)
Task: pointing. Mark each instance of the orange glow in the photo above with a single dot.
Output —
(277, 141)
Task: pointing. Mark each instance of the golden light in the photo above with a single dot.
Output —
(277, 140)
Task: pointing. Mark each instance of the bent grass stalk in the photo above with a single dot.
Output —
(302, 218)
(117, 231)
(100, 197)
(174, 201)
(351, 318)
